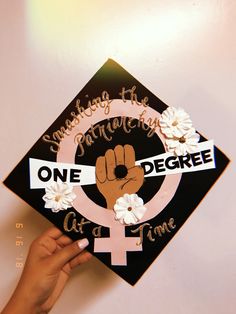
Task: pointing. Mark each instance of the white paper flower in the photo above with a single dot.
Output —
(129, 209)
(59, 196)
(175, 122)
(187, 144)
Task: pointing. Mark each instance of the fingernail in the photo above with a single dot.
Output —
(83, 243)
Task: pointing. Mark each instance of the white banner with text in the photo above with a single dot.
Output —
(43, 172)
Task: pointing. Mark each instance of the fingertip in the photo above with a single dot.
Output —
(119, 155)
(110, 164)
(101, 169)
(129, 156)
(82, 244)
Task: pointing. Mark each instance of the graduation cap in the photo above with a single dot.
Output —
(119, 167)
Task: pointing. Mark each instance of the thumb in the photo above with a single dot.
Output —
(134, 178)
(135, 172)
(63, 256)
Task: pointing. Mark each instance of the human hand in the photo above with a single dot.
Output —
(50, 260)
(116, 174)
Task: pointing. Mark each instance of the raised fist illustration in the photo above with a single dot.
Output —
(116, 174)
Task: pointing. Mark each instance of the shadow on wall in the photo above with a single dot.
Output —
(87, 281)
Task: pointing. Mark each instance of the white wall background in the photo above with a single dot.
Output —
(182, 50)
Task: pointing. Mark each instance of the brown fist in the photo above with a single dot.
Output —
(116, 174)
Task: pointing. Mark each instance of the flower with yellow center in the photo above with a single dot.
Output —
(186, 144)
(174, 122)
